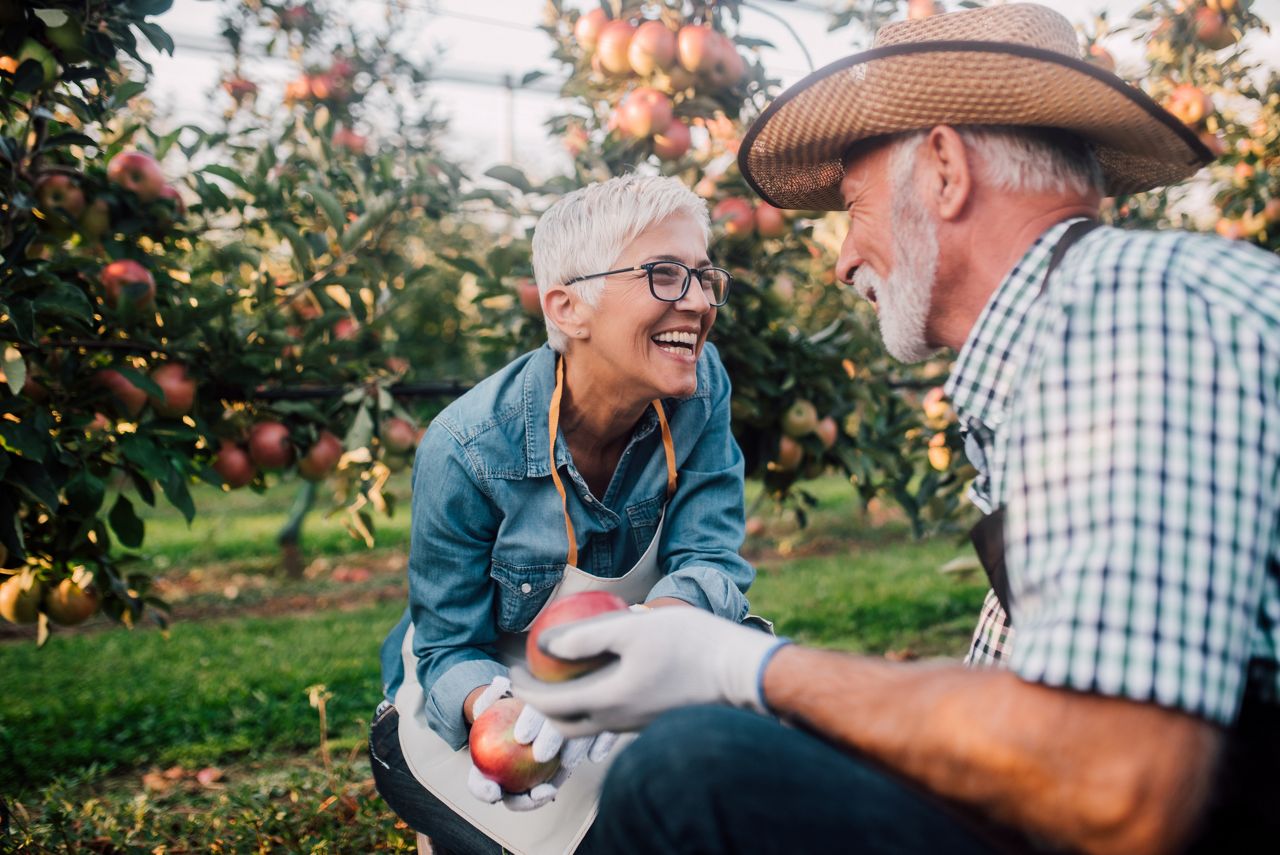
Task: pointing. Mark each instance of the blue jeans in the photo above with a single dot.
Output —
(450, 834)
(713, 779)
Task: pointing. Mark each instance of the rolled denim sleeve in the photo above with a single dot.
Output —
(451, 596)
(705, 520)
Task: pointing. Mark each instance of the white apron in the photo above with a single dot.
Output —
(558, 827)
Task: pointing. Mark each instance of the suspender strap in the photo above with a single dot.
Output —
(553, 428)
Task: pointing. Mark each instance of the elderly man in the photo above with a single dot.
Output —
(1115, 389)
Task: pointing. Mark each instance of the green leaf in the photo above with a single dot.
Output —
(333, 211)
(125, 523)
(466, 265)
(378, 211)
(33, 479)
(301, 252)
(176, 491)
(510, 175)
(84, 492)
(15, 369)
(361, 432)
(229, 174)
(159, 39)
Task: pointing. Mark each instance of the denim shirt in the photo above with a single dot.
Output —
(488, 541)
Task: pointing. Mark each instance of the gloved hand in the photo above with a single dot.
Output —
(667, 658)
(532, 728)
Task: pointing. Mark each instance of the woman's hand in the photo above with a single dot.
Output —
(533, 729)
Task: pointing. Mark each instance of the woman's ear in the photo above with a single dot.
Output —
(564, 309)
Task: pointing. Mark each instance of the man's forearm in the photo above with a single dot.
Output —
(1099, 774)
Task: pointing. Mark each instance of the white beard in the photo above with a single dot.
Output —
(903, 299)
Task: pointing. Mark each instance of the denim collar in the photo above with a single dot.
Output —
(539, 383)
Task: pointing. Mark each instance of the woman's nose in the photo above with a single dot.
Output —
(694, 299)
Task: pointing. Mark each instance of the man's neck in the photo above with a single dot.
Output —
(984, 251)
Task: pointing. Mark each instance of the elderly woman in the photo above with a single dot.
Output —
(602, 460)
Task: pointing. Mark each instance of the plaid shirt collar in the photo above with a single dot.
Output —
(983, 374)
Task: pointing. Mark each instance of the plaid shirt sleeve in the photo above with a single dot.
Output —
(1140, 475)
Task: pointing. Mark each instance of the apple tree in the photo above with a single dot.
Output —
(185, 304)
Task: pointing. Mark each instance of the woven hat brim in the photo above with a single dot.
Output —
(792, 155)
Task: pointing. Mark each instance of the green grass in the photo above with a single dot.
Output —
(242, 525)
(209, 693)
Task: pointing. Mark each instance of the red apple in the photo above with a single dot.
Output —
(790, 455)
(939, 454)
(138, 172)
(673, 143)
(270, 446)
(298, 89)
(576, 140)
(770, 221)
(587, 29)
(1101, 57)
(736, 215)
(530, 300)
(828, 431)
(60, 193)
(168, 209)
(644, 112)
(1212, 29)
(728, 66)
(613, 46)
(1271, 211)
(179, 390)
(129, 399)
(69, 603)
(127, 280)
(239, 88)
(755, 527)
(321, 458)
(1189, 104)
(498, 756)
(917, 9)
(1231, 228)
(697, 48)
(233, 465)
(561, 611)
(800, 419)
(345, 329)
(350, 140)
(652, 48)
(398, 435)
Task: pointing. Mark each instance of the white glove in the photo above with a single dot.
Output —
(667, 658)
(532, 728)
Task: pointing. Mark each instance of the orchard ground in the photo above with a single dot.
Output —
(210, 737)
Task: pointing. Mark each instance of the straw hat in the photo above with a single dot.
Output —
(1017, 64)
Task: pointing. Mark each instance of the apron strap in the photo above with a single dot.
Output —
(553, 428)
(988, 535)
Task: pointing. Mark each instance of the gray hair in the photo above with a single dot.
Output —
(585, 231)
(1021, 159)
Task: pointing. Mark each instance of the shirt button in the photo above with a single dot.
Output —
(526, 588)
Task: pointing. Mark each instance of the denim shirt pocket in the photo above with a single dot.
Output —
(643, 518)
(522, 591)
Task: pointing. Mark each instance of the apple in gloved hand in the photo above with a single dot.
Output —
(565, 610)
(498, 756)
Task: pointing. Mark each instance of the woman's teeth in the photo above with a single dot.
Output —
(675, 341)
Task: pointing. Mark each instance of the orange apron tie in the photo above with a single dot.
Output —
(553, 426)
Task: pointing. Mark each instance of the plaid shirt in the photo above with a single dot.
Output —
(1129, 421)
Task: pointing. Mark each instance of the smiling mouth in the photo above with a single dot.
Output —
(676, 343)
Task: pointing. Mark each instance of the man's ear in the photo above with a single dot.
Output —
(947, 177)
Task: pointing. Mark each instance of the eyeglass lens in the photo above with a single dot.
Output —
(668, 280)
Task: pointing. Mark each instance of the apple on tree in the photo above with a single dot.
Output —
(20, 596)
(127, 280)
(530, 300)
(588, 27)
(60, 193)
(73, 600)
(270, 446)
(564, 610)
(137, 172)
(321, 457)
(652, 48)
(178, 388)
(736, 215)
(233, 465)
(398, 435)
(645, 111)
(129, 399)
(672, 143)
(613, 46)
(800, 419)
(770, 221)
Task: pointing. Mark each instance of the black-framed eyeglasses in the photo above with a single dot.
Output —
(669, 280)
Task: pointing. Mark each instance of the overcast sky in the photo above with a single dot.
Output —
(486, 39)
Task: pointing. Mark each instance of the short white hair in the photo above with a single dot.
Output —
(1024, 160)
(585, 231)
